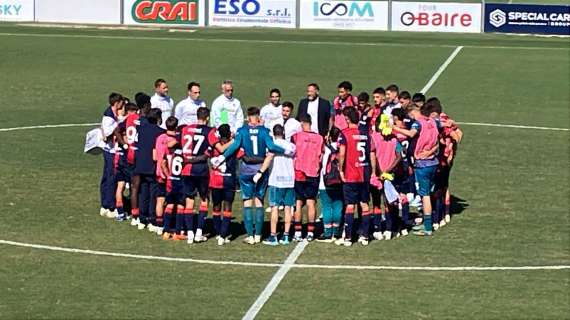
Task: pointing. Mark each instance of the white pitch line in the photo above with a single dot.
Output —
(275, 265)
(136, 256)
(441, 69)
(300, 42)
(511, 126)
(274, 282)
(50, 126)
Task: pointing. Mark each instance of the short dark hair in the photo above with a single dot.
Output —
(158, 82)
(345, 85)
(399, 113)
(288, 104)
(142, 99)
(404, 95)
(278, 130)
(312, 84)
(379, 90)
(171, 123)
(393, 88)
(351, 114)
(425, 110)
(225, 131)
(419, 97)
(434, 105)
(154, 115)
(334, 133)
(131, 107)
(305, 118)
(274, 90)
(203, 113)
(252, 111)
(115, 97)
(363, 97)
(193, 84)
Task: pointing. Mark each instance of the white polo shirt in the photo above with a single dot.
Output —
(313, 111)
(291, 127)
(186, 110)
(226, 111)
(270, 114)
(165, 104)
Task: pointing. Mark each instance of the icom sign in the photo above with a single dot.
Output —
(436, 17)
(357, 15)
(173, 12)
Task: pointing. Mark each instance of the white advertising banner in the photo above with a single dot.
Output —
(16, 10)
(180, 13)
(436, 17)
(354, 15)
(252, 13)
(79, 11)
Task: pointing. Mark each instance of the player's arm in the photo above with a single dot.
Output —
(395, 162)
(234, 146)
(164, 167)
(272, 146)
(457, 135)
(266, 162)
(341, 158)
(373, 162)
(428, 153)
(408, 133)
(122, 142)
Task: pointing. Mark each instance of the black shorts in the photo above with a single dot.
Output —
(442, 177)
(196, 186)
(221, 195)
(160, 190)
(124, 173)
(356, 192)
(308, 189)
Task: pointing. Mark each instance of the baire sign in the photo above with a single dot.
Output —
(173, 12)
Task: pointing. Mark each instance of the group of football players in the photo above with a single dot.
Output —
(366, 163)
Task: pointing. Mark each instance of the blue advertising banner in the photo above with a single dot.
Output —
(518, 18)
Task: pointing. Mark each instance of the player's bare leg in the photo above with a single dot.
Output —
(160, 202)
(311, 214)
(259, 219)
(121, 216)
(135, 186)
(272, 240)
(298, 221)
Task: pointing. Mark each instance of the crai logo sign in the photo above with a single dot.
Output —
(167, 12)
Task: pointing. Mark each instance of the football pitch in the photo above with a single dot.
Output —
(505, 255)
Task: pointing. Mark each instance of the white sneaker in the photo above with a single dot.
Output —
(127, 186)
(442, 223)
(387, 235)
(268, 210)
(435, 226)
(447, 218)
(343, 242)
(404, 232)
(190, 239)
(103, 212)
(198, 235)
(249, 240)
(257, 239)
(378, 235)
(281, 208)
(363, 241)
(151, 227)
(112, 214)
(141, 226)
(418, 221)
(159, 231)
(221, 241)
(135, 222)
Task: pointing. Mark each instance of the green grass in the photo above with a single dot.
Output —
(514, 182)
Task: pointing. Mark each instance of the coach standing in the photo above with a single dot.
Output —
(109, 124)
(226, 109)
(186, 110)
(318, 108)
(162, 100)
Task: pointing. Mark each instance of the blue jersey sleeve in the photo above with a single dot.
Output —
(271, 145)
(235, 145)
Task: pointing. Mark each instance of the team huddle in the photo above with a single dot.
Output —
(365, 163)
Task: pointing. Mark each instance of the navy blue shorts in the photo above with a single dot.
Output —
(442, 177)
(124, 173)
(160, 190)
(196, 186)
(221, 195)
(308, 189)
(356, 192)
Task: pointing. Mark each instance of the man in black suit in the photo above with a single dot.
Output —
(318, 108)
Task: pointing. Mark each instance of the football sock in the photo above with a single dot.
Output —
(166, 222)
(202, 214)
(217, 217)
(119, 205)
(376, 218)
(259, 218)
(188, 219)
(388, 220)
(225, 227)
(406, 213)
(365, 224)
(248, 220)
(427, 223)
(348, 222)
(160, 221)
(310, 227)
